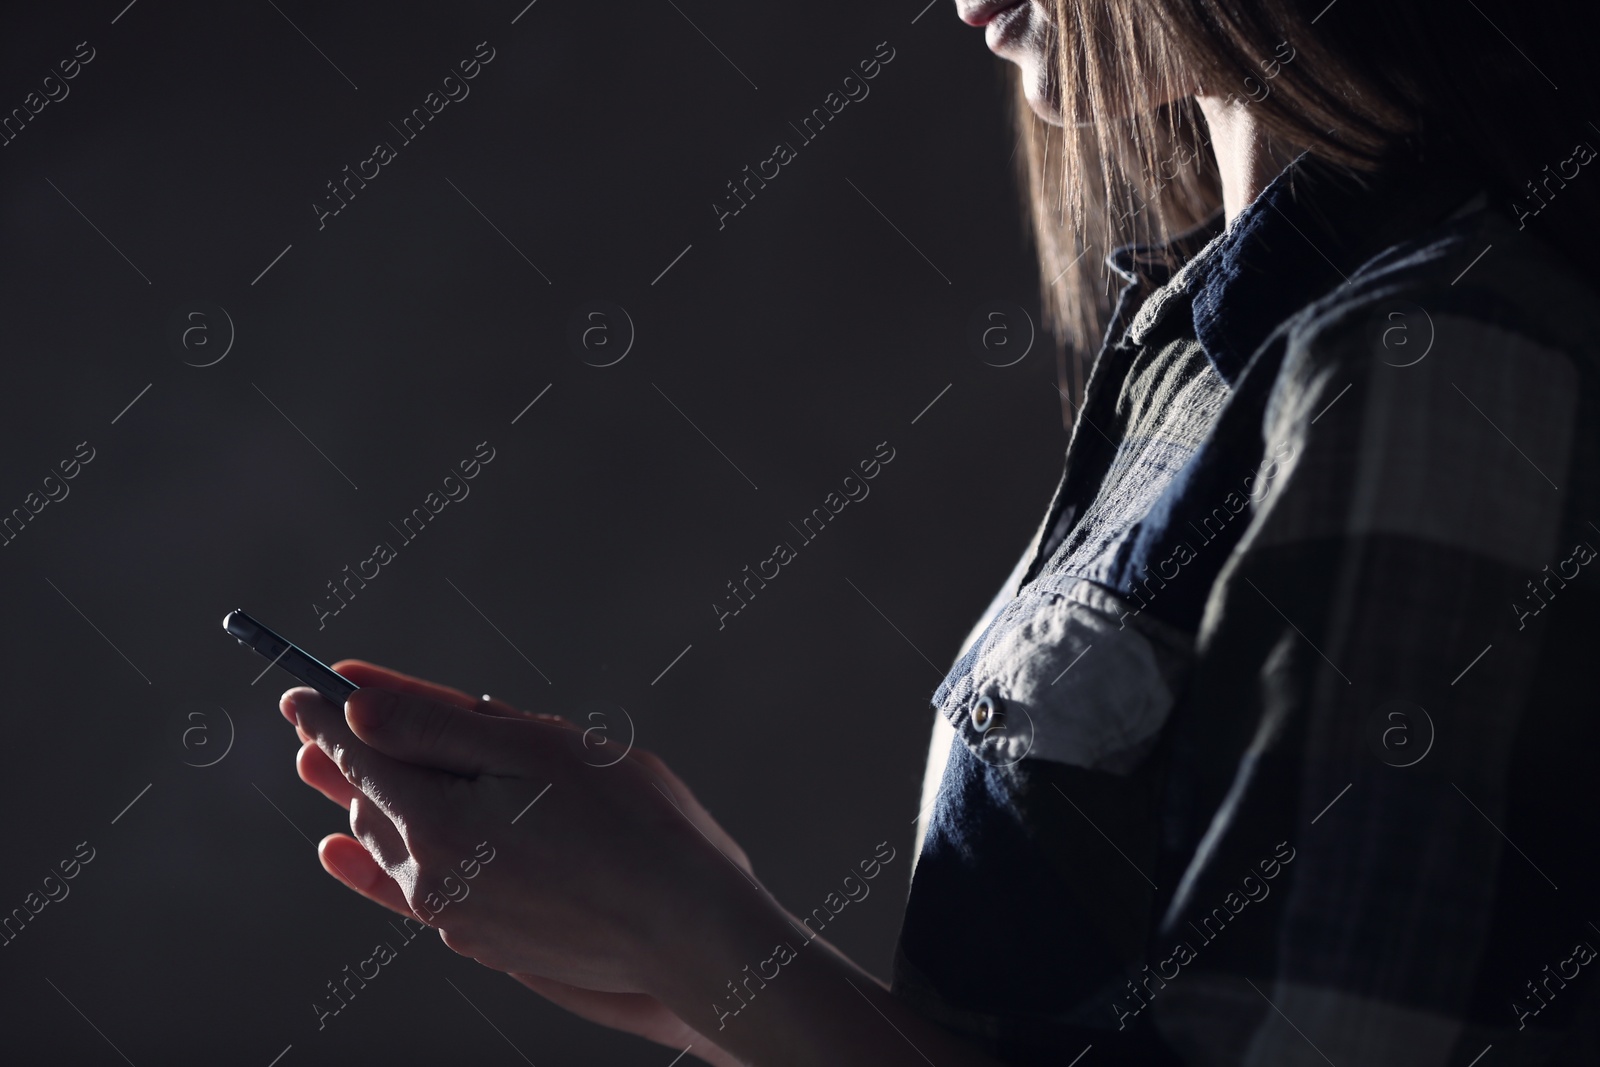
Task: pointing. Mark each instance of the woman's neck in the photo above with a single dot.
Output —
(1247, 158)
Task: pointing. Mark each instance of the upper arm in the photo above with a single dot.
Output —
(1361, 680)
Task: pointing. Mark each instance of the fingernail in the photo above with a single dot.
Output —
(374, 706)
(294, 702)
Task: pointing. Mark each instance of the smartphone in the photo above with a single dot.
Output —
(306, 668)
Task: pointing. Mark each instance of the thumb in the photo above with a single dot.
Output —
(428, 733)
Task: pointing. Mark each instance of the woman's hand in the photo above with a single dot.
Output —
(608, 890)
(580, 895)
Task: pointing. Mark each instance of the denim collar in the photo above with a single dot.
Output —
(1302, 237)
(1281, 253)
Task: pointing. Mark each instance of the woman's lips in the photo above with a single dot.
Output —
(982, 12)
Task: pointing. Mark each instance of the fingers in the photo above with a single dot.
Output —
(377, 833)
(347, 860)
(392, 784)
(488, 705)
(366, 674)
(423, 731)
(319, 772)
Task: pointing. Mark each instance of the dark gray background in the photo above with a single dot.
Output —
(396, 339)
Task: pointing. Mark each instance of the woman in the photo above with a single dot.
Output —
(1276, 748)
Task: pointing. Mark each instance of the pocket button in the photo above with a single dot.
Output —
(984, 713)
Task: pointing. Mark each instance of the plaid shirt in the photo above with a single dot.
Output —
(1279, 749)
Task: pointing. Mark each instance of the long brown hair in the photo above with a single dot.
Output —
(1357, 83)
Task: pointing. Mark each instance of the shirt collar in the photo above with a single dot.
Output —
(1301, 238)
(1285, 249)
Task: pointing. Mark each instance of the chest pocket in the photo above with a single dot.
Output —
(1067, 672)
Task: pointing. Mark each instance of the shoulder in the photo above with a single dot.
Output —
(1442, 392)
(1475, 272)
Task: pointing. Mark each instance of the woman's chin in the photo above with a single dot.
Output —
(1039, 85)
(1048, 110)
(1039, 89)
